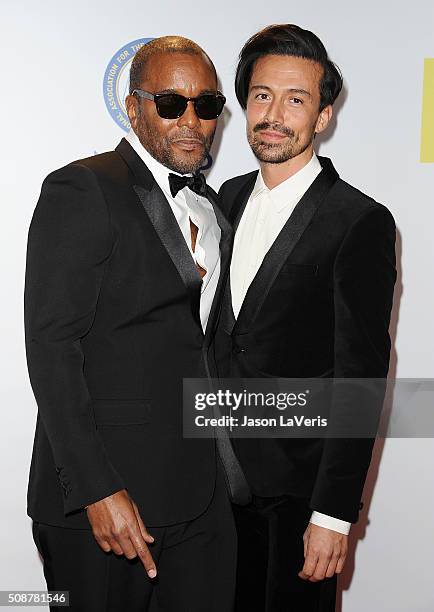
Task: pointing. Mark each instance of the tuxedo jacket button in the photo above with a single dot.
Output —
(238, 349)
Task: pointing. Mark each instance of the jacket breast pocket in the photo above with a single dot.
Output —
(113, 412)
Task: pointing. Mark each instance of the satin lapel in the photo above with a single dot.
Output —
(225, 256)
(165, 224)
(227, 318)
(159, 212)
(284, 244)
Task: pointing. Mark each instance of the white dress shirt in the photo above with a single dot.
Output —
(188, 205)
(264, 216)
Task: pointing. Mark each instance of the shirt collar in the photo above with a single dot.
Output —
(293, 188)
(158, 170)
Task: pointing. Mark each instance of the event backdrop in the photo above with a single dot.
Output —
(64, 73)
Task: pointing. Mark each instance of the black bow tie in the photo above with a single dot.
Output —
(196, 183)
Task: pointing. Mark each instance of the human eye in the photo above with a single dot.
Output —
(262, 96)
(296, 101)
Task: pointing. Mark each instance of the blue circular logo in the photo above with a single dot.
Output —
(117, 81)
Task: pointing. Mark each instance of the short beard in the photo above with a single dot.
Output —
(276, 153)
(160, 148)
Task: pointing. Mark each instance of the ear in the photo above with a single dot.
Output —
(131, 104)
(323, 119)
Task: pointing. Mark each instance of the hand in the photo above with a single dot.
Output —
(325, 552)
(117, 526)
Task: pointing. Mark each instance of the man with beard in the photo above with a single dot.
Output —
(309, 295)
(126, 256)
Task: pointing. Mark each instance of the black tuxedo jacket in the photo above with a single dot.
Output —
(319, 306)
(112, 326)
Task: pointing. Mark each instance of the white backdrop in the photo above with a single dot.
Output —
(54, 56)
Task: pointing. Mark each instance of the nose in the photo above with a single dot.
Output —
(275, 111)
(189, 118)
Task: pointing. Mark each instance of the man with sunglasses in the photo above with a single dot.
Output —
(127, 253)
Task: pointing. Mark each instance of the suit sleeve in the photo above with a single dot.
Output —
(364, 279)
(69, 244)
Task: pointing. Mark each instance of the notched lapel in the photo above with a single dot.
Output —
(165, 224)
(284, 244)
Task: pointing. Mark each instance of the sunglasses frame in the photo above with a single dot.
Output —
(147, 95)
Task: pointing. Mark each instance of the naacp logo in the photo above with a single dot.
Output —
(117, 81)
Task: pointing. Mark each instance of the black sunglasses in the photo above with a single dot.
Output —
(173, 105)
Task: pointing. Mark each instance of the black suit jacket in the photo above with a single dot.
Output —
(319, 306)
(112, 326)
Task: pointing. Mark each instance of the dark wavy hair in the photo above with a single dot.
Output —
(287, 39)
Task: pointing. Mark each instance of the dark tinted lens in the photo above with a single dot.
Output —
(170, 106)
(209, 106)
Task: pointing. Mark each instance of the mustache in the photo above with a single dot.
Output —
(188, 134)
(276, 127)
